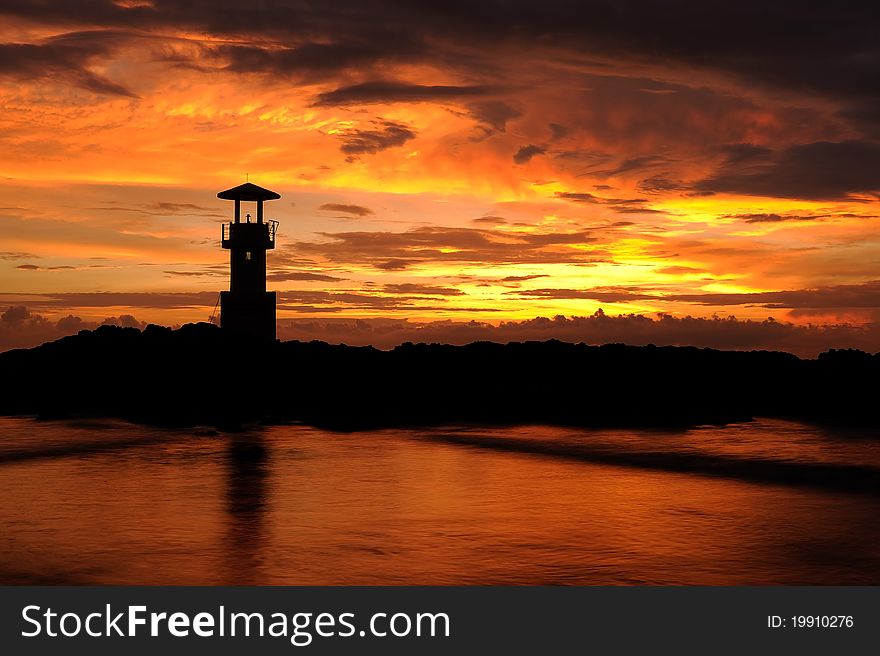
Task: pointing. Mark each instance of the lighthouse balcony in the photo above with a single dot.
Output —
(251, 236)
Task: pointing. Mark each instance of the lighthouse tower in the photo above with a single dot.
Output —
(247, 308)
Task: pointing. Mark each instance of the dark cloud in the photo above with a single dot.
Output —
(22, 328)
(558, 131)
(601, 294)
(489, 220)
(524, 278)
(304, 300)
(313, 61)
(395, 264)
(630, 164)
(388, 134)
(386, 91)
(824, 49)
(585, 197)
(355, 210)
(678, 270)
(414, 288)
(192, 274)
(282, 276)
(580, 197)
(659, 184)
(161, 209)
(822, 170)
(66, 59)
(17, 255)
(743, 153)
(525, 153)
(65, 300)
(397, 250)
(493, 115)
(34, 267)
(600, 328)
(178, 208)
(774, 218)
(865, 295)
(619, 205)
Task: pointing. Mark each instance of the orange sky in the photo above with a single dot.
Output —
(433, 166)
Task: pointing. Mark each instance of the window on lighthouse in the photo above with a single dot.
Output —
(247, 255)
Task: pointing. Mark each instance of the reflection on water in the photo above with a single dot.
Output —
(755, 503)
(247, 467)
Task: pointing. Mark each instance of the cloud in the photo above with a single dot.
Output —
(64, 58)
(17, 255)
(414, 288)
(865, 295)
(310, 301)
(631, 164)
(773, 217)
(601, 294)
(395, 264)
(21, 328)
(161, 209)
(281, 276)
(659, 185)
(679, 270)
(425, 244)
(494, 115)
(385, 91)
(388, 134)
(163, 300)
(558, 131)
(314, 61)
(822, 170)
(584, 197)
(193, 274)
(178, 208)
(524, 278)
(355, 210)
(34, 267)
(525, 153)
(489, 220)
(619, 205)
(599, 328)
(836, 59)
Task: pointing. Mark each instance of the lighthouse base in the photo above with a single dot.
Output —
(249, 314)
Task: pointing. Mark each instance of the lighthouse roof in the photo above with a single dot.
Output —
(248, 191)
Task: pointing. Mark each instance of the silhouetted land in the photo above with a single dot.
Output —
(198, 375)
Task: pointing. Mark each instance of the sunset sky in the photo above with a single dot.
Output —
(453, 165)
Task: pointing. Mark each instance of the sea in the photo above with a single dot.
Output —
(765, 502)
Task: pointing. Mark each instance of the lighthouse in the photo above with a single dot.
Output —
(247, 309)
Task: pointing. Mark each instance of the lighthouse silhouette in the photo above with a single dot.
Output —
(247, 309)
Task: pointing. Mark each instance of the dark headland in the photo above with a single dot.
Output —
(197, 375)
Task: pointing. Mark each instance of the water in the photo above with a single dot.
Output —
(766, 502)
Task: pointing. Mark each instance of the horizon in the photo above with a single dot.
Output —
(606, 173)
